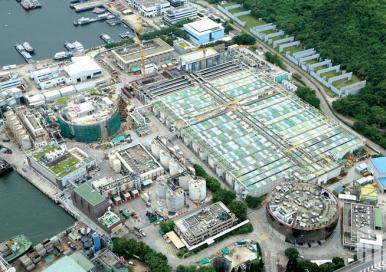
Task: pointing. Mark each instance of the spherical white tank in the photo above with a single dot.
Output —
(116, 166)
(197, 189)
(164, 158)
(161, 188)
(155, 149)
(174, 167)
(184, 182)
(175, 200)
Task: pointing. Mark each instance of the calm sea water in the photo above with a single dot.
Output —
(46, 29)
(24, 209)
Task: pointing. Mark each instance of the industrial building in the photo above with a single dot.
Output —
(9, 80)
(251, 131)
(60, 165)
(138, 161)
(10, 97)
(110, 221)
(204, 31)
(205, 225)
(175, 15)
(197, 60)
(151, 8)
(156, 51)
(378, 168)
(76, 262)
(302, 212)
(89, 201)
(362, 225)
(81, 69)
(90, 118)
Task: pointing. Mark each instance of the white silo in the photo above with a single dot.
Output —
(116, 165)
(197, 189)
(184, 181)
(175, 200)
(8, 114)
(112, 157)
(174, 167)
(164, 158)
(155, 149)
(161, 188)
(18, 130)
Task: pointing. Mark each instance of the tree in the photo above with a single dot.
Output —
(244, 39)
(254, 202)
(308, 96)
(291, 253)
(224, 196)
(167, 226)
(239, 209)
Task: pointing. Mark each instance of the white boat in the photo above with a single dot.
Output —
(78, 46)
(98, 10)
(69, 46)
(106, 38)
(26, 55)
(103, 15)
(19, 47)
(62, 55)
(28, 47)
(82, 21)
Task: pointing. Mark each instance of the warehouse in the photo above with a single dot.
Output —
(204, 31)
(361, 225)
(156, 51)
(197, 60)
(90, 118)
(251, 131)
(60, 165)
(137, 160)
(378, 168)
(302, 212)
(204, 225)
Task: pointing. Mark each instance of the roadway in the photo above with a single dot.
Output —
(308, 80)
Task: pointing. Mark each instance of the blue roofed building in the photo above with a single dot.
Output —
(204, 31)
(378, 168)
(75, 262)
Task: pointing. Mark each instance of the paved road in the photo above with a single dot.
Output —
(307, 79)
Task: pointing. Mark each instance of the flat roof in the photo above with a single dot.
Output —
(198, 55)
(378, 218)
(76, 262)
(203, 25)
(383, 181)
(379, 164)
(81, 64)
(88, 193)
(175, 239)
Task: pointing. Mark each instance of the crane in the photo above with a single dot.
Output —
(141, 48)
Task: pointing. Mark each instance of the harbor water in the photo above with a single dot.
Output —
(47, 29)
(25, 210)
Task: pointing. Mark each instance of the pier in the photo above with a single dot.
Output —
(79, 7)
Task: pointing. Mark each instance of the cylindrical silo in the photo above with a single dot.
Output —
(161, 188)
(174, 167)
(197, 189)
(155, 149)
(112, 157)
(8, 114)
(116, 166)
(164, 159)
(175, 200)
(184, 181)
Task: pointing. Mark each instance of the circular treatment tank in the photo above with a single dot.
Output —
(184, 181)
(303, 212)
(175, 200)
(197, 189)
(155, 149)
(90, 118)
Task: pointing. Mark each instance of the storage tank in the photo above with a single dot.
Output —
(175, 200)
(184, 181)
(25, 142)
(112, 157)
(197, 189)
(174, 167)
(155, 149)
(8, 114)
(116, 165)
(18, 128)
(164, 159)
(161, 188)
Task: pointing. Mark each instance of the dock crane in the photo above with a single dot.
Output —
(141, 48)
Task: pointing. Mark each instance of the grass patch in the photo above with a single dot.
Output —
(268, 31)
(65, 167)
(276, 38)
(311, 61)
(236, 10)
(229, 4)
(250, 21)
(292, 49)
(329, 74)
(345, 82)
(46, 149)
(319, 68)
(62, 101)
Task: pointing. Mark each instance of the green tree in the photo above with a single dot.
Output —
(254, 202)
(291, 253)
(224, 196)
(167, 226)
(244, 39)
(308, 96)
(239, 209)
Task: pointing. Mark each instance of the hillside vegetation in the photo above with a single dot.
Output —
(349, 32)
